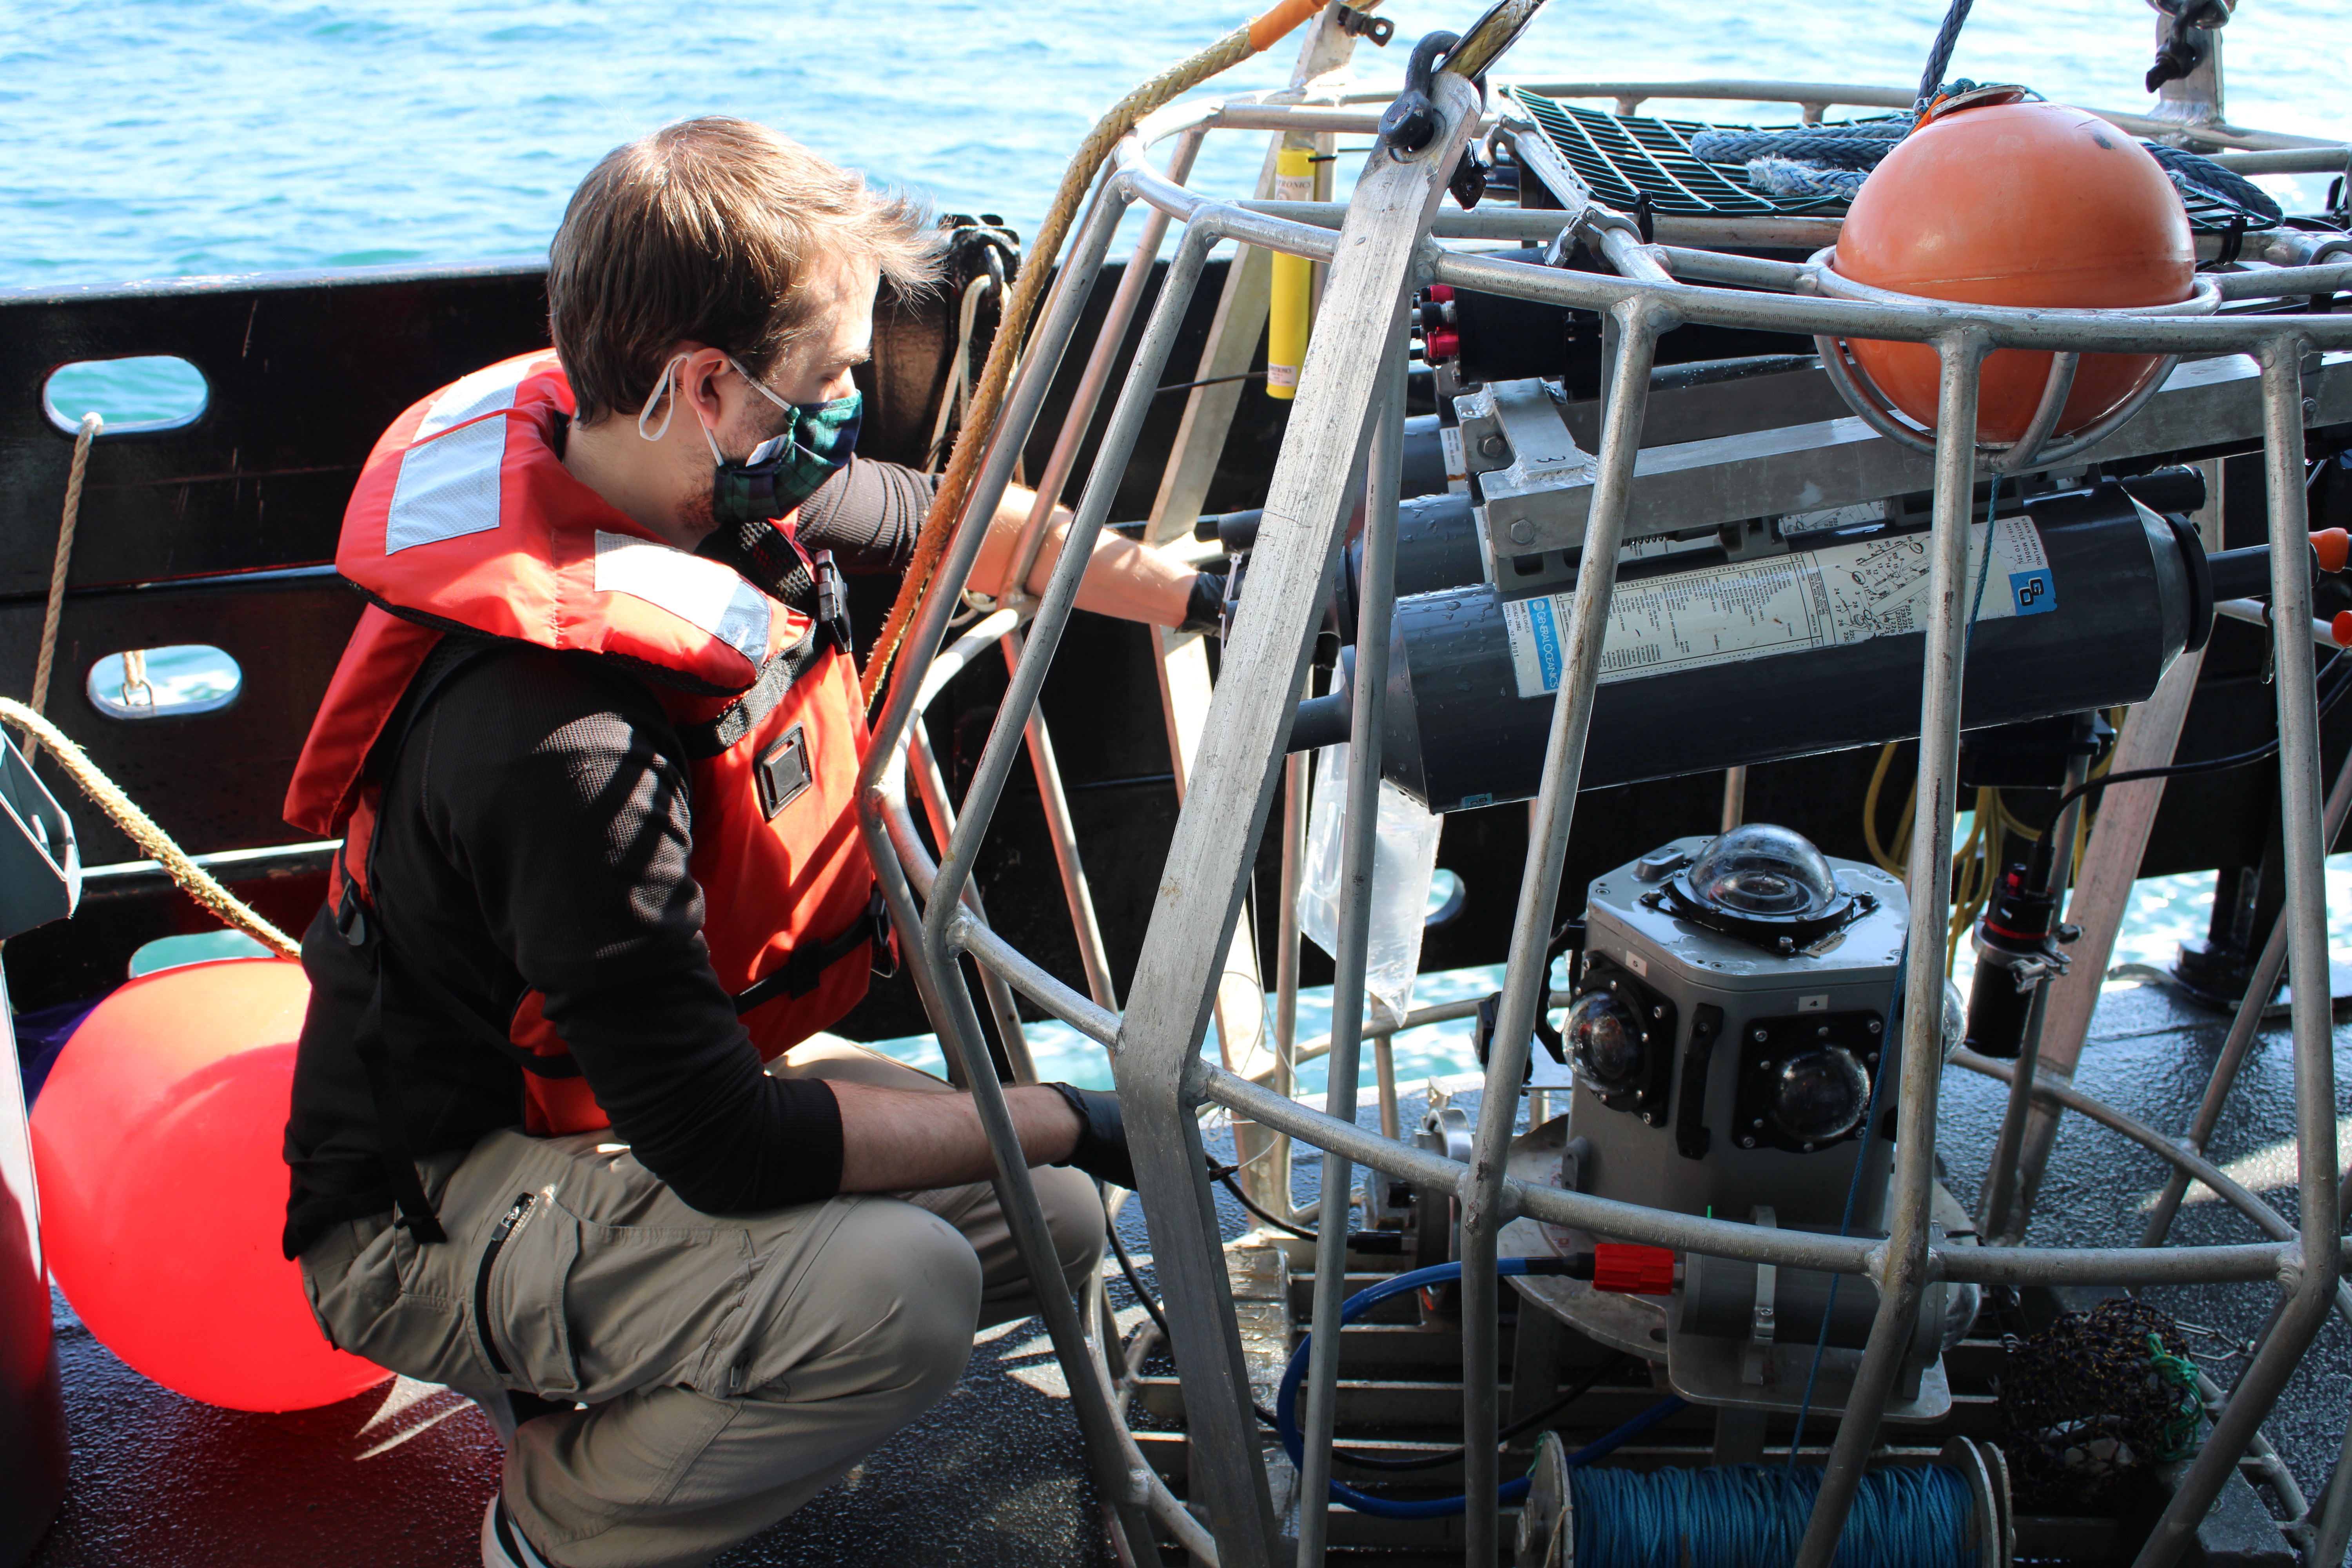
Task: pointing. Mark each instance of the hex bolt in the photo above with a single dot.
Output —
(1494, 445)
(1759, 1037)
(1874, 1026)
(1746, 1142)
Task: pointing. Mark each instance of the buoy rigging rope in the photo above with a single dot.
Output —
(987, 400)
(193, 879)
(92, 424)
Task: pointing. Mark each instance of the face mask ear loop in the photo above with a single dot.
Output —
(661, 385)
(757, 387)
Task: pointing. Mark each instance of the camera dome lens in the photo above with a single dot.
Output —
(1760, 869)
(1819, 1095)
(1604, 1040)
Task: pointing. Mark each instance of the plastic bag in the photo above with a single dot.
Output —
(1404, 861)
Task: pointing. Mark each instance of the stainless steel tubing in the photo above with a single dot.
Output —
(2000, 1180)
(1001, 1011)
(973, 936)
(2103, 331)
(1384, 466)
(1616, 1221)
(942, 919)
(941, 928)
(1076, 421)
(2331, 1516)
(2277, 283)
(950, 1005)
(2054, 388)
(1159, 1070)
(1101, 1330)
(2305, 917)
(1028, 676)
(1904, 1271)
(1055, 801)
(1525, 978)
(1437, 1013)
(2255, 612)
(1079, 417)
(2188, 1161)
(1027, 395)
(2244, 1026)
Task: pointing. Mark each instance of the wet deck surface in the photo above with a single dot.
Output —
(398, 1477)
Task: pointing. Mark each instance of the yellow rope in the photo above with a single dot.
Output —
(142, 830)
(980, 416)
(92, 424)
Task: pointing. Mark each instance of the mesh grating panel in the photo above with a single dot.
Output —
(1623, 156)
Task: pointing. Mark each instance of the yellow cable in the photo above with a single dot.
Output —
(1878, 852)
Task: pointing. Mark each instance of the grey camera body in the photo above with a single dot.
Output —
(1694, 1143)
(1696, 1124)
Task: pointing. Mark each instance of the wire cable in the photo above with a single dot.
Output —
(1520, 1427)
(2262, 752)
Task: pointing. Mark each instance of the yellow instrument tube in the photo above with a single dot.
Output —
(1291, 306)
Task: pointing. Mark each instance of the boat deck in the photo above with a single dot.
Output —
(398, 1477)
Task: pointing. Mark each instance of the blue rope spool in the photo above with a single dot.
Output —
(1753, 1516)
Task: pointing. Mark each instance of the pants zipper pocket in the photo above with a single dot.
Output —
(505, 1228)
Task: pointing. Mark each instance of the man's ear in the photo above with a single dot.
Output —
(698, 387)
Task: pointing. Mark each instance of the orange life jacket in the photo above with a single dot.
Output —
(465, 520)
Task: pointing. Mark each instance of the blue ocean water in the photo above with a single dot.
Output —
(146, 139)
(152, 138)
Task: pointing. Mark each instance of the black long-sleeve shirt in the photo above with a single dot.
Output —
(536, 835)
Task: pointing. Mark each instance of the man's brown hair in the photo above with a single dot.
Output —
(704, 231)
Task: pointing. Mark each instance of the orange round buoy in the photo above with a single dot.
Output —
(157, 1140)
(2026, 204)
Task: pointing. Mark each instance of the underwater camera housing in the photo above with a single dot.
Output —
(1729, 1051)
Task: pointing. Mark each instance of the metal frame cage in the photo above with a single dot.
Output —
(1377, 249)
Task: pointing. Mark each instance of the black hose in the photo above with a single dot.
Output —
(1226, 1179)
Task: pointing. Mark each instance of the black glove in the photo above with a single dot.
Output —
(1206, 607)
(1102, 1135)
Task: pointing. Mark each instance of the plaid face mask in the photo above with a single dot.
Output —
(782, 471)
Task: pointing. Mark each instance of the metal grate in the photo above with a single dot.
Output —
(1623, 157)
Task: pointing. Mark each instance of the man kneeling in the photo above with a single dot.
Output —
(593, 752)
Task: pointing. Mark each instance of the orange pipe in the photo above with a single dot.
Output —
(1267, 31)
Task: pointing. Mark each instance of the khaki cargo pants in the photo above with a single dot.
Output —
(731, 1368)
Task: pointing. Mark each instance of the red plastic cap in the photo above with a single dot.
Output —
(1440, 343)
(2340, 628)
(1441, 293)
(1625, 1271)
(2331, 545)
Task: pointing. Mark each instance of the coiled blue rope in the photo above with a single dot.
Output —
(1743, 1515)
(1285, 1405)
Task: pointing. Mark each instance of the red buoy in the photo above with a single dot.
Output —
(2027, 205)
(157, 1143)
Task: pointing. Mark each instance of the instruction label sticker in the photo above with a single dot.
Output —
(1758, 609)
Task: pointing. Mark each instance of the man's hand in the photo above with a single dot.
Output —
(1101, 1150)
(1133, 581)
